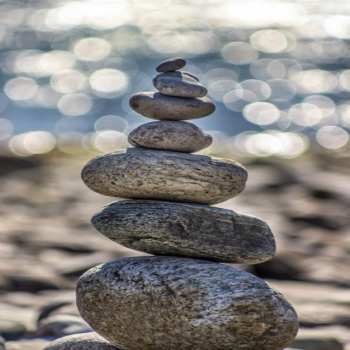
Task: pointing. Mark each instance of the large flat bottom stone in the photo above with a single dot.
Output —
(158, 303)
(152, 174)
(187, 230)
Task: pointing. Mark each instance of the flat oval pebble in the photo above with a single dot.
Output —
(187, 230)
(157, 303)
(83, 341)
(155, 105)
(151, 174)
(171, 65)
(170, 135)
(178, 84)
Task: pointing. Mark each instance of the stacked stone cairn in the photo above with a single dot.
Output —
(181, 298)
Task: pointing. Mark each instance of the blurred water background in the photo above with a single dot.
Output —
(278, 72)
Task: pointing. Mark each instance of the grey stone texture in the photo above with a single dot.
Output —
(171, 65)
(155, 105)
(85, 341)
(179, 84)
(186, 230)
(157, 303)
(191, 75)
(139, 173)
(169, 135)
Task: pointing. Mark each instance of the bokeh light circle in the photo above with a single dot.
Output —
(109, 83)
(68, 81)
(305, 114)
(39, 142)
(219, 88)
(261, 113)
(107, 141)
(239, 53)
(92, 49)
(21, 89)
(269, 41)
(332, 137)
(74, 104)
(35, 142)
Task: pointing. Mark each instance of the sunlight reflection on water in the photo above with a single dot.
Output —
(278, 71)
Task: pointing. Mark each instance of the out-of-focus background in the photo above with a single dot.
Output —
(279, 73)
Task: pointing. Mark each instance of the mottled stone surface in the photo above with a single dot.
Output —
(178, 84)
(137, 173)
(85, 341)
(171, 136)
(171, 65)
(187, 230)
(157, 303)
(155, 105)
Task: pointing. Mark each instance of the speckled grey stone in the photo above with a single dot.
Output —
(158, 303)
(171, 65)
(171, 136)
(178, 84)
(137, 173)
(155, 105)
(85, 341)
(187, 230)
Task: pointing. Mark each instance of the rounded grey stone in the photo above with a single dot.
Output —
(187, 230)
(155, 105)
(171, 136)
(157, 303)
(137, 173)
(171, 65)
(179, 84)
(84, 341)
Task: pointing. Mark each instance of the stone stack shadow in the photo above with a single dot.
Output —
(181, 298)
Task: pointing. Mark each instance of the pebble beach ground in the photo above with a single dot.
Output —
(47, 242)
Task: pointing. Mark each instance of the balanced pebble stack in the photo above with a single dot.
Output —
(182, 298)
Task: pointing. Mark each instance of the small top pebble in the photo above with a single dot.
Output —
(171, 65)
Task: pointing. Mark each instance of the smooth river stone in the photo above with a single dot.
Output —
(171, 65)
(84, 341)
(171, 136)
(178, 84)
(187, 230)
(155, 105)
(139, 173)
(157, 303)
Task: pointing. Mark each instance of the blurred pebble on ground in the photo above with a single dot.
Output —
(47, 242)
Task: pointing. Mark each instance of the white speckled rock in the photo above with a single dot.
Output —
(187, 230)
(85, 341)
(171, 65)
(150, 174)
(157, 303)
(179, 84)
(170, 136)
(155, 105)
